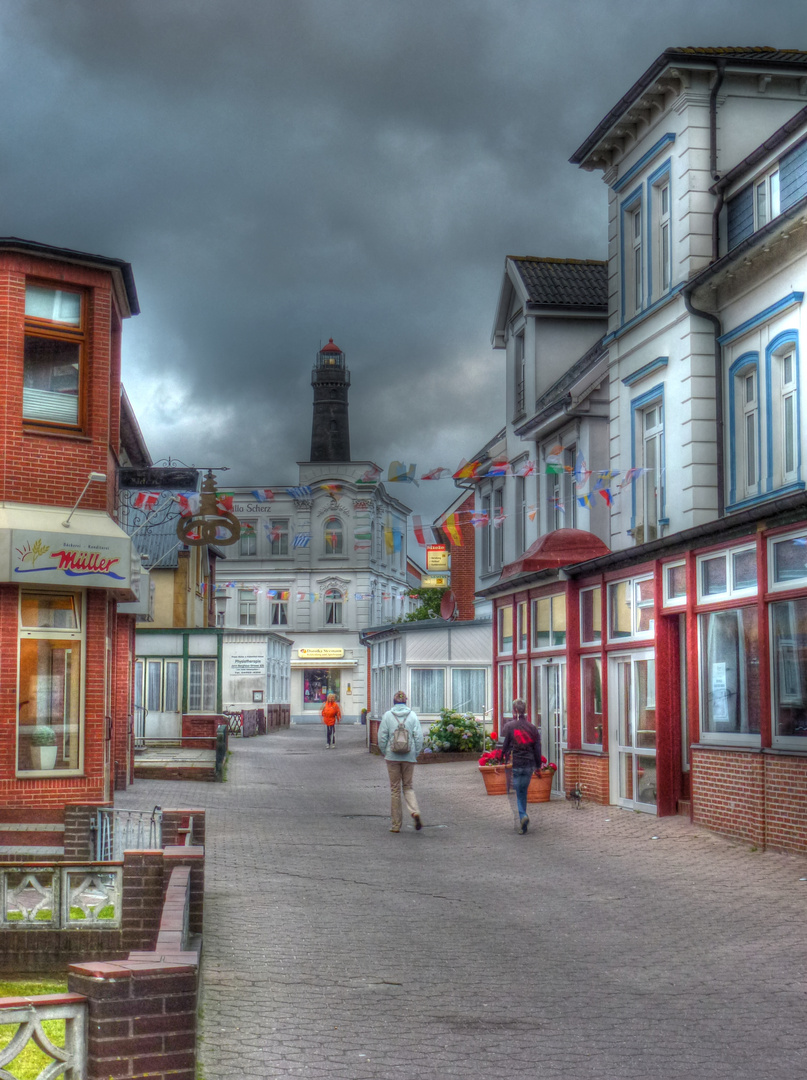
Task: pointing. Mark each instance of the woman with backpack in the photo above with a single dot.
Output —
(523, 740)
(400, 740)
(331, 716)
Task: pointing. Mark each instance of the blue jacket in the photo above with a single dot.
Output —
(389, 722)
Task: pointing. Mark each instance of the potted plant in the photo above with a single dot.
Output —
(494, 772)
(456, 732)
(540, 789)
(42, 740)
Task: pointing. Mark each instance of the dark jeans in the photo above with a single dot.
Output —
(330, 734)
(521, 781)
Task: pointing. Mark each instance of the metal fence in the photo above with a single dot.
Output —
(119, 830)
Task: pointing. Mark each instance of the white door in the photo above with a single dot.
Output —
(163, 719)
(632, 730)
(549, 712)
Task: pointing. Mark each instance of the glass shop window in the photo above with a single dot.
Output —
(675, 584)
(729, 650)
(505, 629)
(723, 575)
(591, 615)
(789, 675)
(591, 678)
(549, 622)
(787, 561)
(631, 609)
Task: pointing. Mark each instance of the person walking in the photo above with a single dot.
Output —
(400, 740)
(331, 716)
(523, 740)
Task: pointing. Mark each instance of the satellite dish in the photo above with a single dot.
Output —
(448, 606)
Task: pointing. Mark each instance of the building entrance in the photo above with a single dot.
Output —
(549, 712)
(632, 742)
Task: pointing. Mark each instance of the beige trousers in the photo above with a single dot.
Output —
(401, 774)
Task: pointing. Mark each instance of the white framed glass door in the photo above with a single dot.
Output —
(549, 712)
(632, 717)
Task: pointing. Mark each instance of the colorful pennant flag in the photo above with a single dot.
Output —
(436, 474)
(389, 540)
(604, 476)
(301, 540)
(479, 520)
(558, 505)
(499, 519)
(417, 525)
(263, 494)
(370, 476)
(606, 494)
(399, 474)
(301, 492)
(580, 472)
(332, 489)
(467, 470)
(527, 468)
(224, 502)
(584, 500)
(451, 528)
(146, 500)
(533, 510)
(500, 467)
(189, 503)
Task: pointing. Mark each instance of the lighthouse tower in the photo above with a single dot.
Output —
(330, 430)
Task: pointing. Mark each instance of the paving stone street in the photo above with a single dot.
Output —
(603, 944)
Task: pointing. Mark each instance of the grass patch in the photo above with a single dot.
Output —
(28, 1064)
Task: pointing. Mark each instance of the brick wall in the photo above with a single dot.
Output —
(590, 770)
(757, 797)
(463, 563)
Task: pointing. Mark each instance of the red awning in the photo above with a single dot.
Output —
(555, 549)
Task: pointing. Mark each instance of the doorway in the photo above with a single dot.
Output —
(549, 712)
(632, 712)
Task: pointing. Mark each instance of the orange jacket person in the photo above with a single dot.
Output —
(331, 716)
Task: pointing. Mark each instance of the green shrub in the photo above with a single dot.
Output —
(456, 731)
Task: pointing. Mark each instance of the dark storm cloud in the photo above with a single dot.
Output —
(280, 173)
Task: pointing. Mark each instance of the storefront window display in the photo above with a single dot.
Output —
(789, 652)
(591, 672)
(549, 622)
(729, 647)
(317, 684)
(50, 683)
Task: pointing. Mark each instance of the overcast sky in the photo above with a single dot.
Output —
(280, 172)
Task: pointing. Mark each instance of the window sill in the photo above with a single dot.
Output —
(47, 774)
(768, 496)
(29, 428)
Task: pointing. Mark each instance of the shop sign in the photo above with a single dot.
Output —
(249, 664)
(428, 582)
(320, 654)
(436, 558)
(46, 558)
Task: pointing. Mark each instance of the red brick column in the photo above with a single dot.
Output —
(143, 875)
(141, 1019)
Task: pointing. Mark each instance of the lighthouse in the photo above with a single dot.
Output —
(330, 430)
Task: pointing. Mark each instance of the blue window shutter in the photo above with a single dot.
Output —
(793, 175)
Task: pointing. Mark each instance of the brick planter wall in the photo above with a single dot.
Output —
(590, 770)
(197, 727)
(755, 796)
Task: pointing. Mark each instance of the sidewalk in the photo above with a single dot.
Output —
(604, 944)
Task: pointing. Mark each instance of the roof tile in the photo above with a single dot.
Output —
(578, 283)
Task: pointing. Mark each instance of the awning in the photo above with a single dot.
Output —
(93, 552)
(562, 547)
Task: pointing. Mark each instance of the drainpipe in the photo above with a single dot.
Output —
(721, 71)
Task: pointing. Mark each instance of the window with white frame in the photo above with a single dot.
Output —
(724, 575)
(50, 718)
(662, 247)
(54, 359)
(591, 688)
(248, 541)
(787, 561)
(162, 685)
(674, 575)
(278, 535)
(561, 490)
(789, 662)
(748, 433)
(427, 690)
(632, 258)
(549, 622)
(279, 610)
(648, 492)
(784, 439)
(333, 607)
(766, 198)
(789, 413)
(631, 609)
(498, 530)
(202, 685)
(247, 607)
(591, 615)
(468, 690)
(505, 692)
(521, 626)
(333, 532)
(729, 677)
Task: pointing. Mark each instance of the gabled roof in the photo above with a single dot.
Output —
(577, 283)
(764, 57)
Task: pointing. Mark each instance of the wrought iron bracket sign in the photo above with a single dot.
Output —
(206, 526)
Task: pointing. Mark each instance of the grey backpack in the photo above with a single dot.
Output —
(400, 743)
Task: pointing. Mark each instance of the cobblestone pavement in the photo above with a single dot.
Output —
(603, 944)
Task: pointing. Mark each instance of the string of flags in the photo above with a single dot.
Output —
(284, 595)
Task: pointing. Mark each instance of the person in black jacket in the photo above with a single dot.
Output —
(523, 740)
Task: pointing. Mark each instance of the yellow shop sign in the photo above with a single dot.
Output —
(320, 654)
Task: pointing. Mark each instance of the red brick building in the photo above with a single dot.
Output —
(65, 652)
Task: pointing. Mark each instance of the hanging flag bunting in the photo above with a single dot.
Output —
(554, 468)
(146, 500)
(533, 510)
(633, 474)
(606, 494)
(399, 474)
(389, 540)
(332, 489)
(499, 468)
(479, 520)
(224, 502)
(263, 494)
(584, 500)
(580, 472)
(417, 525)
(452, 530)
(604, 476)
(467, 470)
(190, 503)
(301, 540)
(397, 540)
(370, 476)
(526, 468)
(436, 474)
(499, 519)
(301, 492)
(558, 505)
(247, 526)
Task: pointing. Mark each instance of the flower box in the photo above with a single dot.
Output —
(495, 777)
(540, 789)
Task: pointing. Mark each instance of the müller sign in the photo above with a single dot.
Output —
(56, 559)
